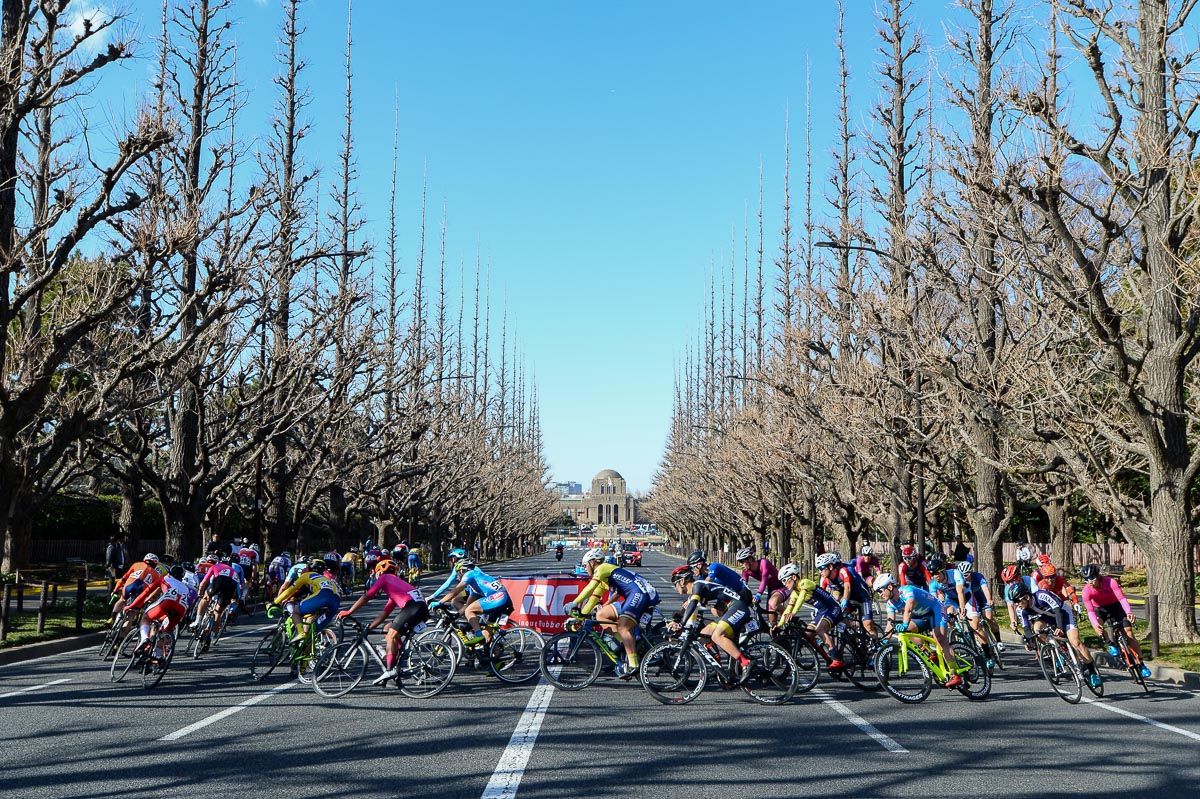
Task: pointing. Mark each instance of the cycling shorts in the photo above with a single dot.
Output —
(410, 616)
(168, 611)
(834, 614)
(980, 600)
(224, 588)
(635, 605)
(736, 615)
(1113, 612)
(131, 590)
(323, 604)
(492, 611)
(866, 608)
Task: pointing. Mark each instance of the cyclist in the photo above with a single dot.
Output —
(1048, 577)
(414, 564)
(172, 597)
(761, 571)
(867, 563)
(487, 601)
(912, 568)
(829, 609)
(1106, 602)
(400, 555)
(137, 578)
(920, 611)
(949, 586)
(454, 556)
(371, 557)
(719, 573)
(631, 598)
(247, 558)
(1042, 605)
(346, 567)
(400, 594)
(849, 585)
(220, 582)
(277, 571)
(977, 586)
(323, 600)
(725, 630)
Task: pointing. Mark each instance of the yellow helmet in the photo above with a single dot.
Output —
(807, 586)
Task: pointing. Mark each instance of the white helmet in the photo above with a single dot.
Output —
(595, 553)
(789, 571)
(866, 550)
(828, 559)
(254, 547)
(883, 581)
(745, 553)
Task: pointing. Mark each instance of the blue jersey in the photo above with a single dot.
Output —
(925, 603)
(949, 587)
(722, 574)
(1026, 579)
(480, 584)
(296, 571)
(857, 589)
(977, 583)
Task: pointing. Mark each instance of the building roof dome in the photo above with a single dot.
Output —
(609, 474)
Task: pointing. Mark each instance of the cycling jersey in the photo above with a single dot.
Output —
(866, 565)
(139, 575)
(765, 574)
(977, 583)
(398, 592)
(171, 606)
(192, 581)
(849, 584)
(278, 570)
(247, 558)
(720, 573)
(915, 574)
(949, 586)
(636, 593)
(1047, 605)
(1056, 584)
(704, 592)
(324, 597)
(925, 605)
(1104, 593)
(482, 586)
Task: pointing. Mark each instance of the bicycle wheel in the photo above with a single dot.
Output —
(447, 637)
(857, 654)
(272, 650)
(514, 655)
(672, 673)
(773, 678)
(902, 674)
(108, 646)
(158, 660)
(806, 658)
(1098, 688)
(339, 669)
(305, 663)
(127, 652)
(567, 669)
(977, 680)
(1058, 670)
(426, 668)
(1132, 662)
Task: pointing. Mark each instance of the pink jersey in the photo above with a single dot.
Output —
(1105, 591)
(399, 592)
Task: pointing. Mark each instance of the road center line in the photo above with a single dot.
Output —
(227, 712)
(858, 721)
(1144, 719)
(507, 776)
(34, 688)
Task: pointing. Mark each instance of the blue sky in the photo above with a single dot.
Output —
(602, 155)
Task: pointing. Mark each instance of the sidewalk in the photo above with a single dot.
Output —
(1158, 673)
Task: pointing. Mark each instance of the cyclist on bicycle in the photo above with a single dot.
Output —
(1106, 602)
(1042, 605)
(762, 571)
(829, 609)
(414, 563)
(867, 563)
(949, 586)
(323, 600)
(220, 582)
(912, 568)
(849, 585)
(977, 586)
(719, 573)
(137, 578)
(454, 556)
(190, 578)
(1048, 577)
(247, 558)
(921, 612)
(347, 566)
(400, 594)
(632, 597)
(725, 630)
(487, 601)
(371, 557)
(172, 597)
(277, 571)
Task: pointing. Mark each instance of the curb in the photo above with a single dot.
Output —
(18, 654)
(1158, 673)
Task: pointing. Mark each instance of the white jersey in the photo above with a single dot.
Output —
(177, 591)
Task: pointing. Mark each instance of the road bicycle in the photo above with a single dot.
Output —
(1059, 668)
(1125, 652)
(151, 657)
(273, 648)
(961, 633)
(676, 671)
(303, 653)
(857, 646)
(129, 619)
(209, 631)
(907, 665)
(513, 654)
(573, 659)
(424, 666)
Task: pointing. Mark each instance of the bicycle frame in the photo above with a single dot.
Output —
(916, 643)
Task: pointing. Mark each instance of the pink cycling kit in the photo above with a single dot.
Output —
(1105, 591)
(399, 592)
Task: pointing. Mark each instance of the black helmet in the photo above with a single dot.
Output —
(177, 572)
(1090, 571)
(937, 563)
(696, 557)
(1019, 591)
(317, 565)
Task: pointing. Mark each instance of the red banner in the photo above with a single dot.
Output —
(538, 601)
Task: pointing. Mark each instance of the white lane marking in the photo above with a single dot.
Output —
(1129, 714)
(34, 688)
(507, 776)
(226, 713)
(858, 721)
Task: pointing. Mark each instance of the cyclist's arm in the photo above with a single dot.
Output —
(1115, 587)
(449, 582)
(287, 593)
(589, 597)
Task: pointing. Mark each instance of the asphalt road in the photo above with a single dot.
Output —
(67, 731)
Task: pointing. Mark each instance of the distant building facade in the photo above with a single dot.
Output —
(607, 504)
(568, 489)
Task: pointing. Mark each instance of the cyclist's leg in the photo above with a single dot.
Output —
(727, 629)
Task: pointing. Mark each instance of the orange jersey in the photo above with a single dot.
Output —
(140, 571)
(1056, 584)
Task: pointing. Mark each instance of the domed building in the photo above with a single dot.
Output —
(607, 504)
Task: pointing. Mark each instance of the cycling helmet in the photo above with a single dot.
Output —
(937, 563)
(1048, 570)
(883, 581)
(594, 554)
(188, 566)
(745, 553)
(828, 559)
(398, 551)
(254, 547)
(866, 550)
(385, 567)
(1010, 573)
(837, 555)
(789, 571)
(1090, 572)
(965, 566)
(1043, 559)
(316, 565)
(177, 572)
(457, 554)
(226, 559)
(696, 557)
(151, 558)
(466, 564)
(285, 554)
(908, 551)
(806, 586)
(1019, 591)
(680, 574)
(331, 560)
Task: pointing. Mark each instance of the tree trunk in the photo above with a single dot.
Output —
(1168, 571)
(1062, 533)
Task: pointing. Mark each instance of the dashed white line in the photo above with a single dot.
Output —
(507, 776)
(1141, 718)
(858, 721)
(34, 688)
(226, 713)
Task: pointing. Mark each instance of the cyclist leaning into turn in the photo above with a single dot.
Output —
(488, 599)
(725, 630)
(401, 594)
(1105, 602)
(1043, 607)
(323, 600)
(921, 612)
(632, 597)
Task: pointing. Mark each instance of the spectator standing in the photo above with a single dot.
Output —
(114, 559)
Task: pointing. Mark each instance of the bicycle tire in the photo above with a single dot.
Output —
(859, 668)
(339, 669)
(774, 677)
(912, 684)
(515, 654)
(111, 639)
(270, 652)
(672, 673)
(445, 636)
(1053, 662)
(125, 656)
(977, 680)
(152, 674)
(807, 659)
(426, 668)
(305, 664)
(566, 670)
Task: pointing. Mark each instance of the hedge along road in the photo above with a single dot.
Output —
(65, 730)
